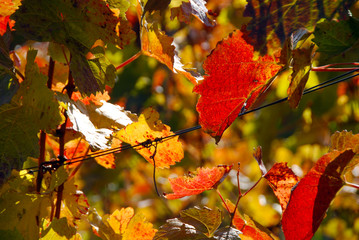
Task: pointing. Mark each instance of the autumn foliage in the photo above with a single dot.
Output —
(100, 101)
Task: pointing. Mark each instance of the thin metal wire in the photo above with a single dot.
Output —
(150, 142)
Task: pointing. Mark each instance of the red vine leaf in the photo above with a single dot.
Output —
(281, 179)
(204, 179)
(149, 127)
(314, 193)
(234, 77)
(250, 229)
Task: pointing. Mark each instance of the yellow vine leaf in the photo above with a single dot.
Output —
(149, 127)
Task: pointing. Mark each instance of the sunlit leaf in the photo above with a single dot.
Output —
(281, 179)
(119, 219)
(138, 228)
(248, 227)
(157, 44)
(95, 122)
(204, 179)
(234, 77)
(149, 127)
(33, 108)
(302, 64)
(314, 193)
(19, 207)
(60, 229)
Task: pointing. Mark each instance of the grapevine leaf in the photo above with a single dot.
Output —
(157, 44)
(196, 8)
(281, 179)
(60, 229)
(101, 227)
(119, 219)
(196, 223)
(121, 5)
(75, 202)
(149, 127)
(103, 70)
(74, 24)
(333, 37)
(314, 193)
(273, 20)
(58, 178)
(233, 78)
(302, 64)
(204, 179)
(19, 207)
(36, 97)
(11, 234)
(249, 228)
(122, 224)
(9, 7)
(139, 229)
(94, 122)
(208, 218)
(346, 140)
(33, 103)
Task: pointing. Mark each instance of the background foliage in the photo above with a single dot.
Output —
(170, 46)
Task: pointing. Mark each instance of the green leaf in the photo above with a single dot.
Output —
(72, 23)
(103, 70)
(122, 5)
(211, 219)
(11, 235)
(58, 178)
(59, 229)
(334, 37)
(33, 108)
(20, 209)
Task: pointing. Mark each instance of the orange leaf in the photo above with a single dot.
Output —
(157, 44)
(204, 179)
(314, 194)
(233, 78)
(149, 127)
(249, 228)
(282, 180)
(119, 219)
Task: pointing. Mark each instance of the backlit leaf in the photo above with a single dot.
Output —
(234, 77)
(281, 179)
(60, 229)
(210, 219)
(139, 229)
(149, 127)
(95, 122)
(204, 179)
(157, 44)
(33, 108)
(196, 223)
(302, 64)
(249, 228)
(277, 19)
(314, 193)
(335, 37)
(119, 219)
(258, 156)
(20, 207)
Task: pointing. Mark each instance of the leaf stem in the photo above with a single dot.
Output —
(331, 67)
(128, 61)
(224, 202)
(252, 187)
(352, 185)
